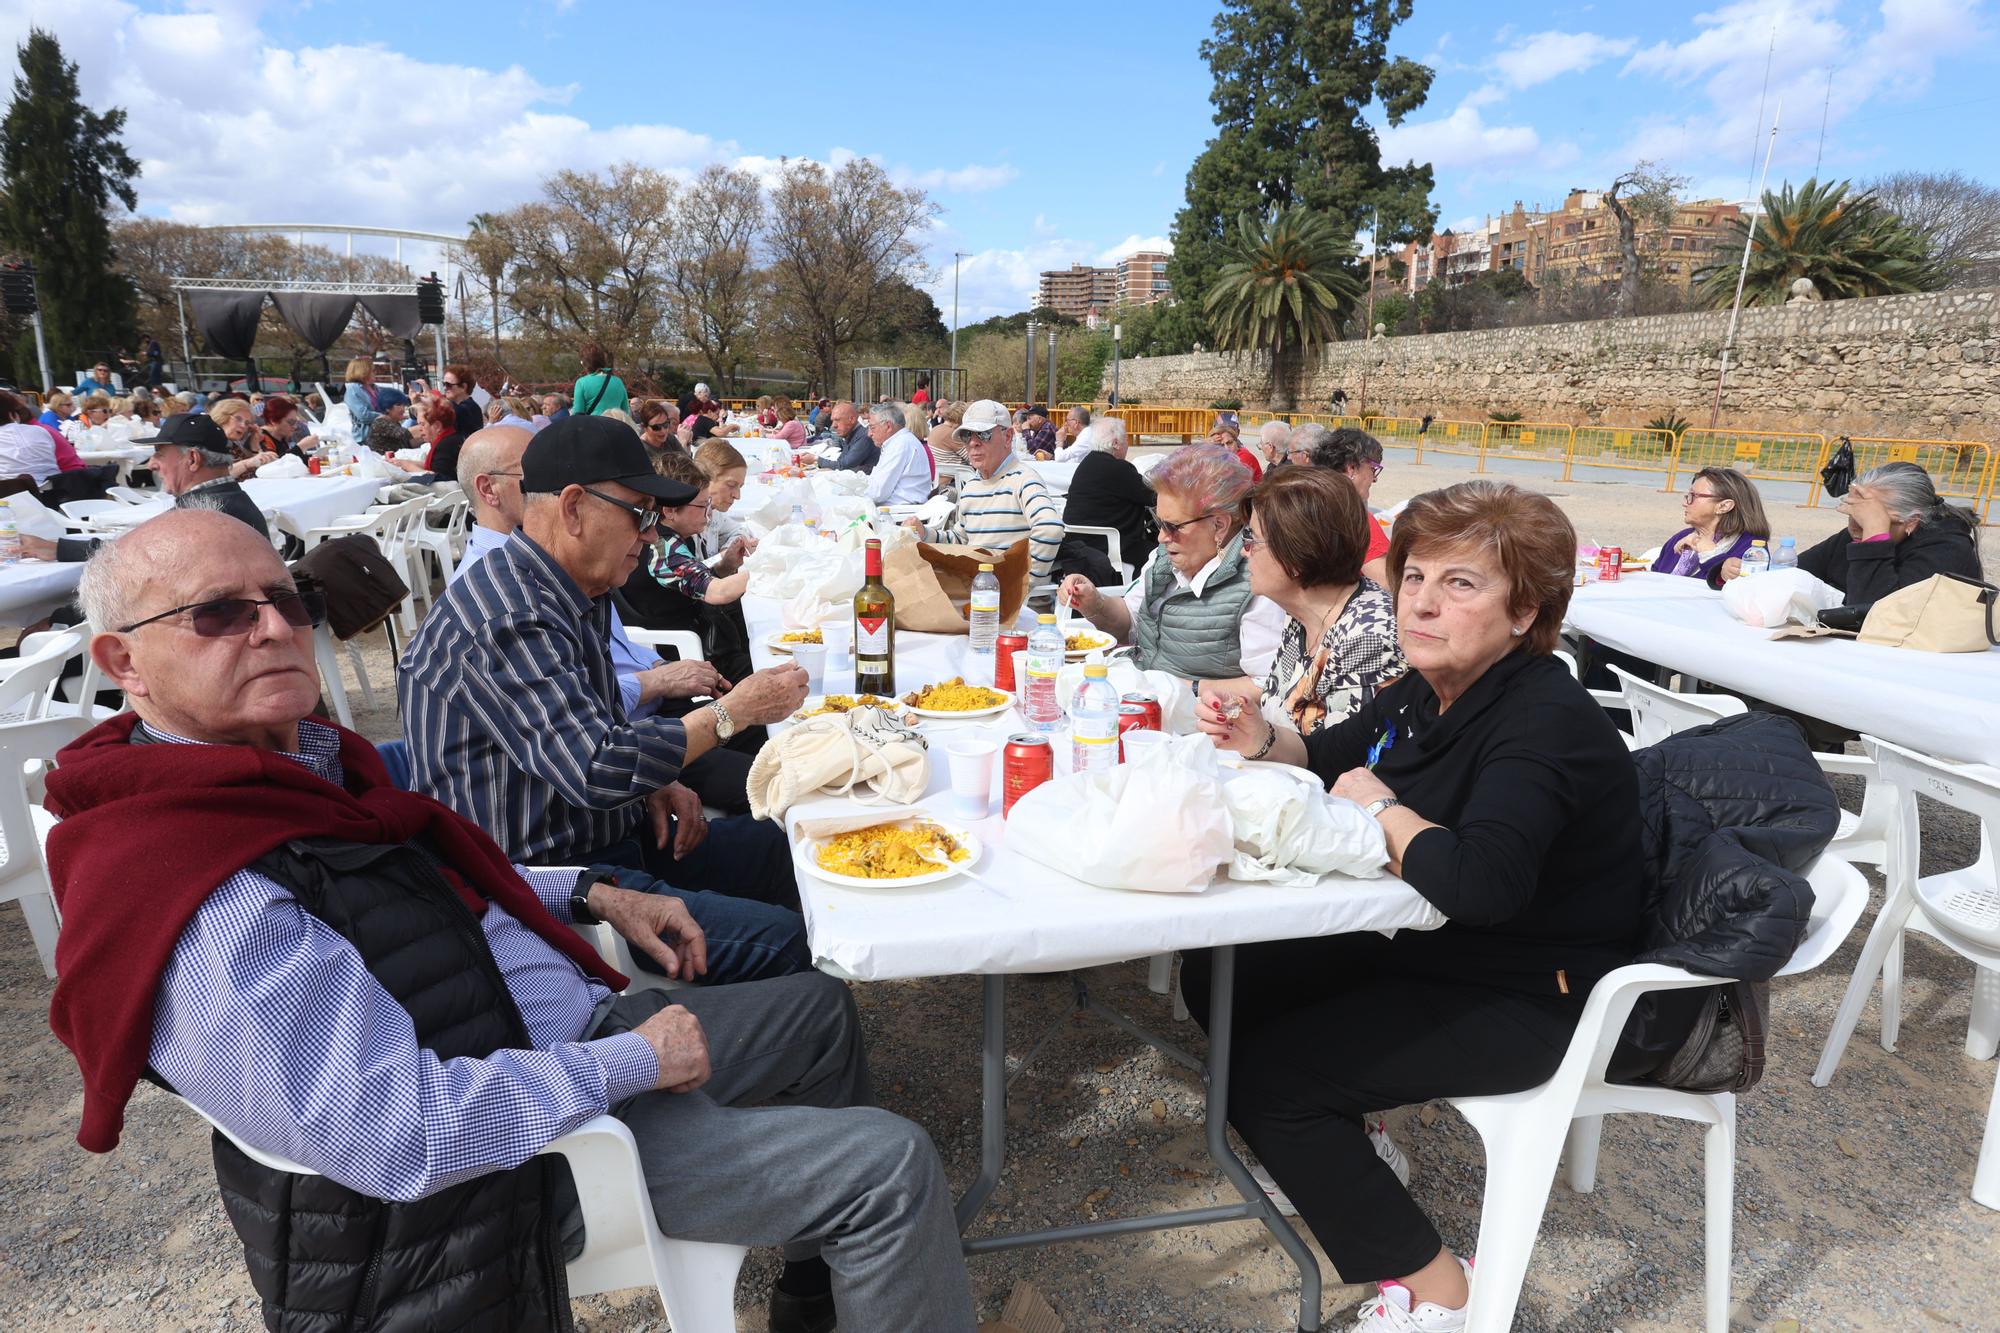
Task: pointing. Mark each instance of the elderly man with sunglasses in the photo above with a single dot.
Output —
(355, 979)
(512, 710)
(1005, 500)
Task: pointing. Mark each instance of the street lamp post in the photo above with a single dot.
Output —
(956, 256)
(1028, 372)
(1117, 331)
(1052, 369)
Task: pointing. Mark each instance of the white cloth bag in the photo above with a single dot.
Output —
(1779, 597)
(1159, 827)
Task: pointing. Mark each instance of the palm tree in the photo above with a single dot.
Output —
(1848, 244)
(1283, 289)
(492, 251)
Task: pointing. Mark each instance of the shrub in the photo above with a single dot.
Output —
(1673, 423)
(1227, 404)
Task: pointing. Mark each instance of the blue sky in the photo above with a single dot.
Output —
(1057, 133)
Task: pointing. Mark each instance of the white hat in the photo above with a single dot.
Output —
(701, 389)
(983, 415)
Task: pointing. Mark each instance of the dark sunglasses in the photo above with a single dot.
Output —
(661, 424)
(649, 519)
(980, 435)
(1173, 530)
(302, 607)
(449, 384)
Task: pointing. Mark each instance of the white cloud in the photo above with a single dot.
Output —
(1132, 245)
(965, 179)
(1461, 140)
(1000, 281)
(1537, 59)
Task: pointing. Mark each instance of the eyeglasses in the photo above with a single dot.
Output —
(967, 436)
(649, 519)
(1376, 467)
(449, 384)
(1173, 530)
(500, 474)
(1251, 541)
(302, 607)
(661, 424)
(1692, 496)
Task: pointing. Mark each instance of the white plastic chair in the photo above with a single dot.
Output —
(1525, 1133)
(622, 1244)
(390, 526)
(24, 875)
(1610, 700)
(1960, 909)
(27, 682)
(683, 641)
(87, 509)
(441, 532)
(1113, 547)
(1658, 712)
(131, 495)
(329, 676)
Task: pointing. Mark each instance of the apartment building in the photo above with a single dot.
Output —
(1142, 278)
(1078, 291)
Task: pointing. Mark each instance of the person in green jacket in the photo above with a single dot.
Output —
(599, 390)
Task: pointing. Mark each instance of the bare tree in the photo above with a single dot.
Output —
(1642, 197)
(1958, 216)
(589, 256)
(836, 240)
(710, 271)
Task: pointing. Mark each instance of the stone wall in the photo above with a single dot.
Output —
(1918, 367)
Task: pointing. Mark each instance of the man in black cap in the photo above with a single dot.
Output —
(511, 707)
(191, 458)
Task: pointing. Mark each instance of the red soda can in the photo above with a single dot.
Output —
(1151, 703)
(1131, 717)
(1005, 645)
(1609, 561)
(312, 465)
(1026, 763)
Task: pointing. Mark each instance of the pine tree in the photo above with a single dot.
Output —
(1292, 78)
(61, 165)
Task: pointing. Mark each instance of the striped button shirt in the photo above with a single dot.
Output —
(268, 1019)
(511, 708)
(999, 510)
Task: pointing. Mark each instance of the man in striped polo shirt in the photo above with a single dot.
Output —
(1006, 500)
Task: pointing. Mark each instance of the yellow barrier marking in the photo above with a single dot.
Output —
(1749, 450)
(1902, 453)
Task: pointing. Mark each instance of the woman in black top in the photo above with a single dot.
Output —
(1508, 800)
(1899, 533)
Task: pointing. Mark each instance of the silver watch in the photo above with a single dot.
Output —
(724, 726)
(1374, 809)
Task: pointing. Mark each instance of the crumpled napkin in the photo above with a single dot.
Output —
(1290, 833)
(290, 465)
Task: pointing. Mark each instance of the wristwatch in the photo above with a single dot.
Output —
(1374, 809)
(725, 727)
(579, 905)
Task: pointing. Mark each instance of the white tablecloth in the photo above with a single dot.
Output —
(300, 502)
(1946, 704)
(30, 589)
(1055, 476)
(1016, 915)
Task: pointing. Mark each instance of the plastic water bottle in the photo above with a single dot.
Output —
(1093, 723)
(798, 514)
(985, 617)
(10, 542)
(1045, 662)
(1787, 554)
(1757, 559)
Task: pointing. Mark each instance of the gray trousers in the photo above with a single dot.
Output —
(780, 1148)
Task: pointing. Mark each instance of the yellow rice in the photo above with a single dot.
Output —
(954, 696)
(889, 851)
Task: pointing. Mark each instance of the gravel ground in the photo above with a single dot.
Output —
(1852, 1202)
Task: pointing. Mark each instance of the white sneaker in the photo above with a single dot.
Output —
(1395, 1310)
(1385, 1148)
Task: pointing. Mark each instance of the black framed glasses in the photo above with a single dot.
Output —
(648, 519)
(303, 606)
(449, 384)
(1173, 530)
(661, 424)
(1250, 539)
(1692, 496)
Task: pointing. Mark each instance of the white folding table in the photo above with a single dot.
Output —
(1010, 914)
(1946, 704)
(30, 589)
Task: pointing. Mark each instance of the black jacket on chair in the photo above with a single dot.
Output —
(1730, 814)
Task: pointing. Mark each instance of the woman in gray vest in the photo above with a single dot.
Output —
(1191, 611)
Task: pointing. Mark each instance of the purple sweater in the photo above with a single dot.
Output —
(1668, 561)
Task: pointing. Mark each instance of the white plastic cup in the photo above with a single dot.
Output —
(811, 658)
(971, 762)
(839, 636)
(1021, 679)
(1145, 747)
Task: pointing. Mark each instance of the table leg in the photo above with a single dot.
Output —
(992, 1100)
(1221, 1013)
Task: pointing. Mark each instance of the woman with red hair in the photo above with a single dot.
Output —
(437, 426)
(280, 434)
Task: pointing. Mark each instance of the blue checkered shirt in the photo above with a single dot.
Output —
(511, 707)
(268, 1020)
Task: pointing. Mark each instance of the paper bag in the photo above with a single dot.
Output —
(933, 584)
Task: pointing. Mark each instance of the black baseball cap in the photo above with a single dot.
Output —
(580, 451)
(196, 430)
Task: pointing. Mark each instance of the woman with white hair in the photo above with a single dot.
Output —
(1191, 611)
(1899, 533)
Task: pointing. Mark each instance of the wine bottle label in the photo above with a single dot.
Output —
(986, 599)
(871, 636)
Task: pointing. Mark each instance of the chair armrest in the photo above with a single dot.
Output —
(683, 641)
(1610, 1005)
(1853, 765)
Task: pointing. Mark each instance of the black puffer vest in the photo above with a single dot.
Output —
(482, 1254)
